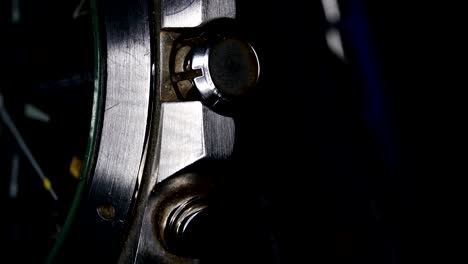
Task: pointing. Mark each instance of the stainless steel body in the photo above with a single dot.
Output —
(146, 180)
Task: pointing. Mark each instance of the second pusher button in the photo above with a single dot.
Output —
(229, 70)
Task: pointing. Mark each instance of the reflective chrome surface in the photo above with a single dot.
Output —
(184, 137)
(163, 201)
(126, 106)
(194, 13)
(191, 132)
(230, 69)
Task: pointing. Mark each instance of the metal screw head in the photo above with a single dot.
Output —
(230, 69)
(186, 229)
(106, 211)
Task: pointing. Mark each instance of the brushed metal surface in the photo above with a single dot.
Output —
(191, 132)
(219, 134)
(127, 91)
(160, 204)
(194, 13)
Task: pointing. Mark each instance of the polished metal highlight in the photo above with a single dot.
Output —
(126, 106)
(185, 136)
(163, 200)
(229, 70)
(194, 13)
(191, 132)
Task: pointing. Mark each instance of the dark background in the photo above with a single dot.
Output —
(350, 161)
(358, 160)
(47, 61)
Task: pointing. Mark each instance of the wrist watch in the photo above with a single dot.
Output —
(193, 131)
(158, 109)
(171, 77)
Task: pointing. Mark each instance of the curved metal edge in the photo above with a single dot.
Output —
(126, 108)
(146, 181)
(160, 204)
(135, 249)
(191, 132)
(211, 95)
(204, 83)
